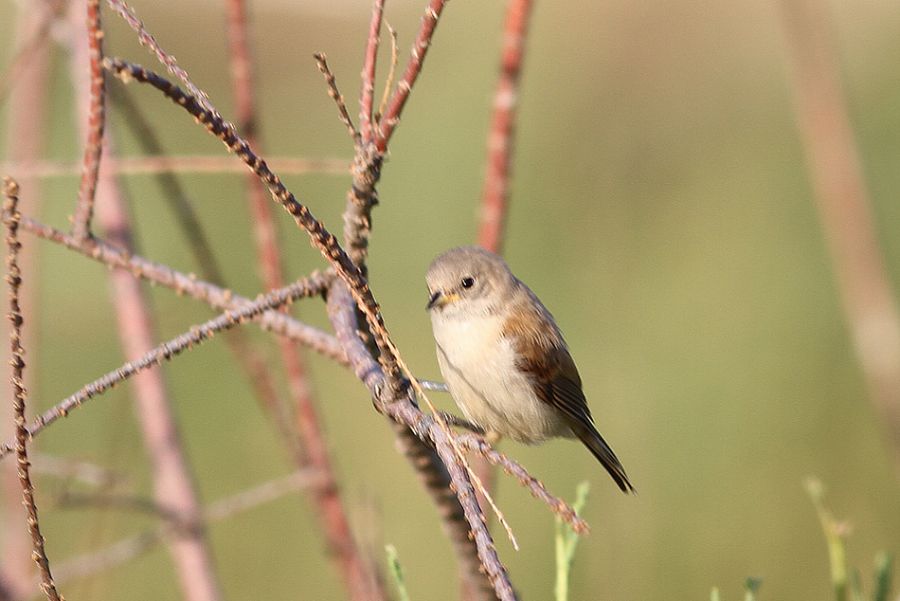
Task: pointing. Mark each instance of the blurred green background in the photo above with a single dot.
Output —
(661, 209)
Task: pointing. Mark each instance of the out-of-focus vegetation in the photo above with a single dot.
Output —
(661, 209)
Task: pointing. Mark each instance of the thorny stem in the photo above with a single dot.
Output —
(14, 279)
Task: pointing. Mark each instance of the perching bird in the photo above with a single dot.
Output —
(503, 357)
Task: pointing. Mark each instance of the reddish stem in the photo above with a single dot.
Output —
(84, 210)
(367, 89)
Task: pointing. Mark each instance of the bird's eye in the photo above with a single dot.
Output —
(468, 282)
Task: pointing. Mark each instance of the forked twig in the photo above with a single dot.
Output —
(14, 279)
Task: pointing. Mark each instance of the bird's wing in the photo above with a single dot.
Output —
(543, 356)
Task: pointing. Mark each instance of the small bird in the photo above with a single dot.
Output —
(503, 357)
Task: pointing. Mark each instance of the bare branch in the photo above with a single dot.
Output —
(84, 209)
(335, 95)
(367, 89)
(14, 279)
(164, 352)
(146, 39)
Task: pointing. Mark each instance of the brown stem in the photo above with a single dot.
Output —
(14, 279)
(869, 304)
(96, 121)
(25, 136)
(367, 89)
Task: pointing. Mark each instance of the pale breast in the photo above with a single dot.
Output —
(478, 365)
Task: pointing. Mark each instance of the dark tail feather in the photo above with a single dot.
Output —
(604, 454)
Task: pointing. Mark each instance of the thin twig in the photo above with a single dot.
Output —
(367, 89)
(335, 95)
(392, 73)
(190, 285)
(25, 138)
(146, 39)
(166, 351)
(870, 306)
(153, 165)
(413, 68)
(96, 122)
(14, 279)
(535, 487)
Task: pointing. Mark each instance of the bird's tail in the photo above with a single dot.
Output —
(605, 455)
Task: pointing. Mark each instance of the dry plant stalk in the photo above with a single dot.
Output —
(14, 279)
(87, 192)
(26, 126)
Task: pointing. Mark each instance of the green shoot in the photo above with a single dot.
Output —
(566, 542)
(396, 572)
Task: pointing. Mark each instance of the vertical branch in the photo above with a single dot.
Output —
(26, 126)
(844, 208)
(495, 193)
(173, 483)
(14, 279)
(84, 210)
(361, 579)
(367, 89)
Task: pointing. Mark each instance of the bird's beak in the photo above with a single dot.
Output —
(439, 299)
